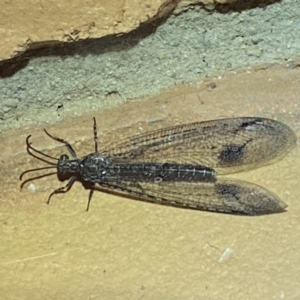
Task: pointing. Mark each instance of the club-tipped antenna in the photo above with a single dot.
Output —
(38, 151)
(32, 151)
(39, 169)
(36, 177)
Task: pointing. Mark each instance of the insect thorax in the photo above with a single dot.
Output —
(93, 167)
(67, 166)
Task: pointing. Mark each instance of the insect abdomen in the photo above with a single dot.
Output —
(157, 172)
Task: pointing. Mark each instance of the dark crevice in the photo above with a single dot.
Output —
(83, 48)
(244, 5)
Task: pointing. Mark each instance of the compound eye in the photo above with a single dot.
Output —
(63, 165)
(64, 157)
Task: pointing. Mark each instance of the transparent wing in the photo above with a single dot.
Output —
(224, 195)
(226, 145)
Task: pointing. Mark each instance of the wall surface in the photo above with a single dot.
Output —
(63, 81)
(31, 24)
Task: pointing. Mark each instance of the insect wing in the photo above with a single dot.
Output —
(224, 195)
(226, 145)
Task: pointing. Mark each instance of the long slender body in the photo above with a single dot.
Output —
(98, 169)
(178, 165)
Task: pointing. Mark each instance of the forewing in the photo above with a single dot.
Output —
(226, 145)
(223, 195)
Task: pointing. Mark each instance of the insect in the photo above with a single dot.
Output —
(180, 165)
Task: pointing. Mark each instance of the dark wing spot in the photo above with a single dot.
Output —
(230, 192)
(231, 155)
(232, 197)
(253, 122)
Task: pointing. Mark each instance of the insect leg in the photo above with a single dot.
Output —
(90, 196)
(67, 144)
(63, 189)
(95, 135)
